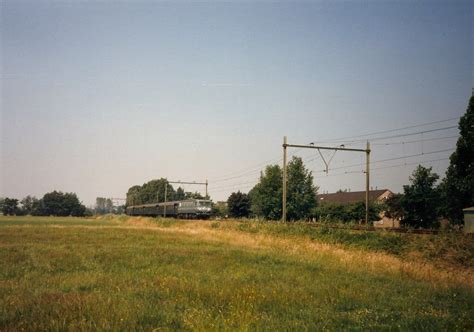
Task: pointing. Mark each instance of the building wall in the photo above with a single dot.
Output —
(386, 222)
(386, 195)
(468, 221)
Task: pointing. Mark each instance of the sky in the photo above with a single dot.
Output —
(99, 96)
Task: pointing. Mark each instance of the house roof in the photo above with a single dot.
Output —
(351, 196)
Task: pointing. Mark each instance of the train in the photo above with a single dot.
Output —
(187, 209)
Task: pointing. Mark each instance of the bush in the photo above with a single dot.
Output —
(57, 203)
(355, 212)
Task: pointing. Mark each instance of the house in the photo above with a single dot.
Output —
(469, 220)
(350, 197)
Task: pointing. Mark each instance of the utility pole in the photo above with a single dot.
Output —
(312, 146)
(166, 194)
(284, 181)
(367, 180)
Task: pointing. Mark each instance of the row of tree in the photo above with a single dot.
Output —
(154, 192)
(55, 203)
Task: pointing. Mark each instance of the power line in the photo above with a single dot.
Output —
(257, 168)
(247, 174)
(249, 171)
(240, 186)
(409, 134)
(336, 168)
(252, 183)
(245, 170)
(413, 163)
(417, 141)
(383, 167)
(406, 142)
(388, 131)
(345, 173)
(381, 138)
(389, 159)
(233, 185)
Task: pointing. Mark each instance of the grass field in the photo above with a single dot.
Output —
(119, 273)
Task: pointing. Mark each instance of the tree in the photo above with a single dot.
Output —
(180, 194)
(29, 205)
(109, 206)
(458, 186)
(10, 206)
(193, 195)
(266, 195)
(421, 199)
(301, 196)
(393, 207)
(133, 196)
(220, 209)
(57, 203)
(154, 191)
(104, 205)
(238, 205)
(100, 205)
(150, 192)
(354, 212)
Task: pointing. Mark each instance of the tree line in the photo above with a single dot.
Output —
(55, 203)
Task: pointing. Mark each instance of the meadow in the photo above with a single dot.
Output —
(134, 274)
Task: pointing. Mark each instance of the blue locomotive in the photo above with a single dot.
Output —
(190, 208)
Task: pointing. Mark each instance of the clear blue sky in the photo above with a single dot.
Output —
(100, 96)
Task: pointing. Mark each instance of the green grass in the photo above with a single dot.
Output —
(449, 248)
(58, 221)
(56, 274)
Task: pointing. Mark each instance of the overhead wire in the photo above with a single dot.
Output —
(384, 167)
(390, 159)
(251, 170)
(249, 183)
(388, 131)
(417, 141)
(346, 166)
(257, 168)
(381, 138)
